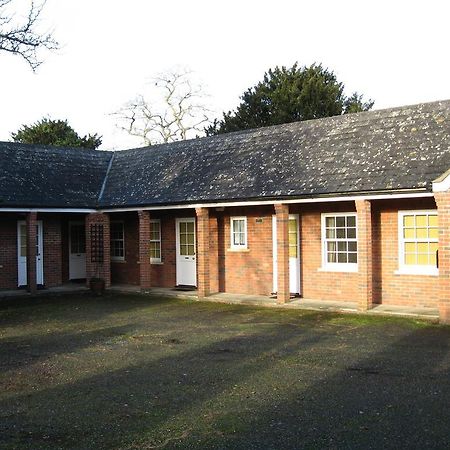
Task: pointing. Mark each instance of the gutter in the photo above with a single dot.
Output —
(102, 190)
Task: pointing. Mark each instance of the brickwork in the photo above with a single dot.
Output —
(365, 254)
(52, 250)
(8, 250)
(443, 204)
(144, 250)
(203, 244)
(96, 269)
(282, 218)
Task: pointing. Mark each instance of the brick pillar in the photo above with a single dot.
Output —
(365, 255)
(443, 205)
(95, 268)
(282, 217)
(144, 250)
(31, 224)
(203, 276)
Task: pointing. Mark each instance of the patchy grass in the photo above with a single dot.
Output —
(132, 372)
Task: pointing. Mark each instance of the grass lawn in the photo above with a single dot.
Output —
(131, 372)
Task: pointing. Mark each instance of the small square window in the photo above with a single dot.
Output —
(238, 227)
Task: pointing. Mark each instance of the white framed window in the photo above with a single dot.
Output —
(155, 241)
(117, 241)
(339, 242)
(238, 228)
(418, 237)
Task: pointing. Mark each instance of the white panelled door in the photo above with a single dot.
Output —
(294, 254)
(22, 253)
(186, 255)
(77, 250)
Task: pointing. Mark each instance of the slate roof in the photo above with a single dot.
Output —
(378, 151)
(40, 176)
(385, 150)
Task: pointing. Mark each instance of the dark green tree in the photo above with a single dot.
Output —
(289, 95)
(55, 132)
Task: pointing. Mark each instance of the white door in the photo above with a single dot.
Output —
(294, 254)
(186, 260)
(22, 253)
(77, 250)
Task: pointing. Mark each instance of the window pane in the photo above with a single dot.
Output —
(351, 233)
(410, 258)
(353, 258)
(409, 233)
(292, 239)
(421, 233)
(340, 233)
(190, 227)
(422, 259)
(433, 246)
(293, 251)
(408, 221)
(191, 250)
(330, 222)
(331, 246)
(352, 247)
(421, 221)
(331, 257)
(410, 247)
(422, 247)
(340, 221)
(293, 225)
(351, 221)
(433, 220)
(433, 233)
(342, 246)
(433, 259)
(331, 233)
(342, 257)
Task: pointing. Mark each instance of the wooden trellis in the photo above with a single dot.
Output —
(96, 232)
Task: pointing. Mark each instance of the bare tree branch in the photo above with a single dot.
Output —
(20, 37)
(173, 113)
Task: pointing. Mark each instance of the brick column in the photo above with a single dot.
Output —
(365, 254)
(94, 268)
(443, 205)
(144, 250)
(31, 224)
(203, 276)
(282, 217)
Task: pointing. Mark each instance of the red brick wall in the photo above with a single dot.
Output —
(391, 288)
(8, 250)
(127, 271)
(52, 249)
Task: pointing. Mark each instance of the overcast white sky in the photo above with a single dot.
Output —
(395, 52)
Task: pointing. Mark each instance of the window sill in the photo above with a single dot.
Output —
(156, 263)
(238, 250)
(417, 271)
(343, 268)
(118, 260)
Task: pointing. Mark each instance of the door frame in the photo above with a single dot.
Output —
(39, 254)
(177, 244)
(75, 222)
(274, 256)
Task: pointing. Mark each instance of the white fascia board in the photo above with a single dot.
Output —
(405, 195)
(49, 210)
(442, 184)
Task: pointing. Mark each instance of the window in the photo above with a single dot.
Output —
(238, 232)
(339, 241)
(155, 241)
(293, 238)
(117, 241)
(418, 242)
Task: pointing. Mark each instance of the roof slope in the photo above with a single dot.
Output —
(384, 150)
(377, 151)
(40, 176)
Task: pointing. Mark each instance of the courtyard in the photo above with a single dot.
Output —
(127, 371)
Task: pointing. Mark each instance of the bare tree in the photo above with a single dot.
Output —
(172, 111)
(20, 37)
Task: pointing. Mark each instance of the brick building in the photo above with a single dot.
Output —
(354, 207)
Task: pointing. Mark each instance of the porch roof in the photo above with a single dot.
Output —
(389, 151)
